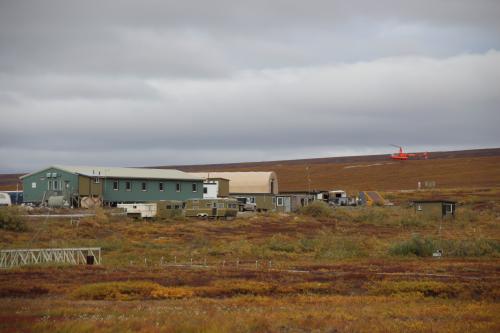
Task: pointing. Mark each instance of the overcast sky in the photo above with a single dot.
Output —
(130, 83)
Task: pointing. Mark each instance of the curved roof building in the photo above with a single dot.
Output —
(251, 182)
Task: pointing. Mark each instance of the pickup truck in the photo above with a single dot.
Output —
(245, 205)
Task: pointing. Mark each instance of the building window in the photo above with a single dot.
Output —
(128, 186)
(49, 185)
(116, 185)
(160, 187)
(205, 190)
(33, 185)
(56, 183)
(280, 201)
(97, 180)
(178, 187)
(144, 186)
(169, 206)
(251, 199)
(220, 205)
(195, 187)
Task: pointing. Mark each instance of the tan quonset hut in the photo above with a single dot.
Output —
(259, 187)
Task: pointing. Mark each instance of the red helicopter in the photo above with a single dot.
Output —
(402, 156)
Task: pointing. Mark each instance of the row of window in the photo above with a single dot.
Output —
(216, 205)
(144, 186)
(54, 185)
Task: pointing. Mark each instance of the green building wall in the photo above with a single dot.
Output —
(40, 179)
(72, 181)
(152, 193)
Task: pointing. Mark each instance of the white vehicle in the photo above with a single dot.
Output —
(142, 210)
(246, 204)
(5, 199)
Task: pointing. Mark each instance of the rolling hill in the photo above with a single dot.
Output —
(467, 168)
(451, 169)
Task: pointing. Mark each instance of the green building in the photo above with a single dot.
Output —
(435, 208)
(109, 185)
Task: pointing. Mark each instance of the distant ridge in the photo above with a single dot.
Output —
(485, 152)
(447, 169)
(462, 168)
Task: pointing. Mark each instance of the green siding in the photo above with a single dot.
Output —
(40, 178)
(153, 192)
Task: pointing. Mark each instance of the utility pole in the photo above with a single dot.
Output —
(308, 184)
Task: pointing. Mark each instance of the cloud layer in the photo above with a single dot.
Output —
(164, 83)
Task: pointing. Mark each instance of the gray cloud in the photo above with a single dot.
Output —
(137, 83)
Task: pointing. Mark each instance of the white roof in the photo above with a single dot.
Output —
(111, 172)
(246, 181)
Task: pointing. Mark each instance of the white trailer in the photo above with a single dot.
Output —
(142, 210)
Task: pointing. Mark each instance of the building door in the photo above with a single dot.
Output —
(287, 202)
(214, 209)
(448, 209)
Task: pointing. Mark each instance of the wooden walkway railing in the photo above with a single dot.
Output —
(20, 257)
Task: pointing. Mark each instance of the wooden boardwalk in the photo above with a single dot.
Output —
(75, 256)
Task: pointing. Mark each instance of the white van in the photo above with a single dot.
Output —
(5, 199)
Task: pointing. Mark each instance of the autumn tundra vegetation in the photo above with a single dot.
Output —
(322, 269)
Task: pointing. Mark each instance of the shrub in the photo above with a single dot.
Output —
(307, 244)
(226, 288)
(101, 215)
(305, 288)
(411, 221)
(425, 287)
(281, 244)
(129, 290)
(373, 215)
(420, 247)
(317, 209)
(11, 219)
(424, 247)
(330, 246)
(100, 218)
(470, 247)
